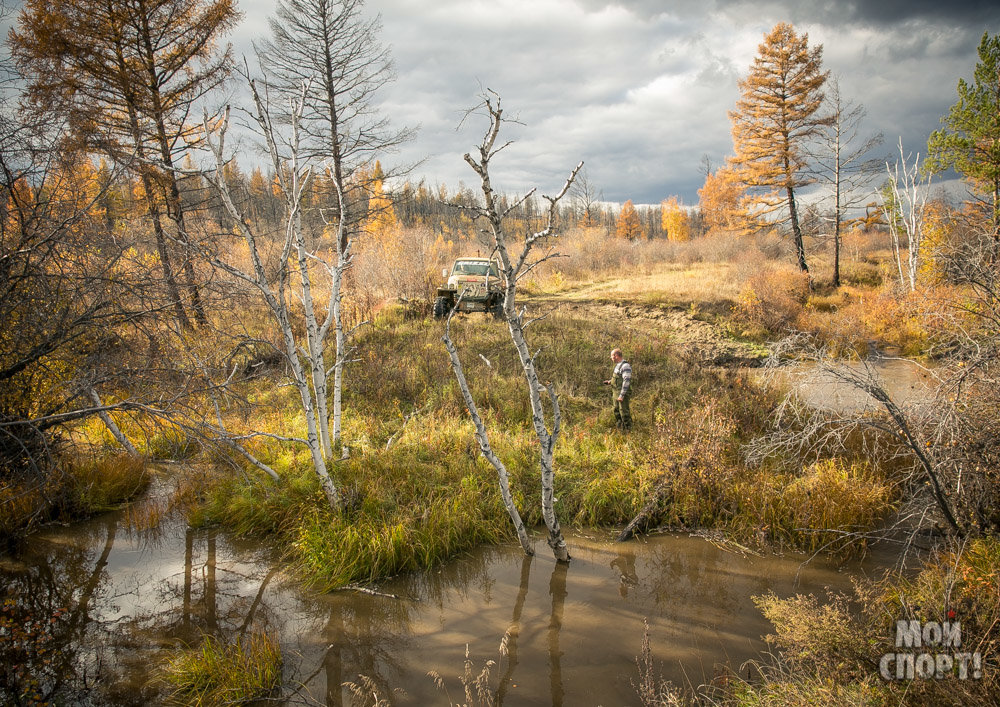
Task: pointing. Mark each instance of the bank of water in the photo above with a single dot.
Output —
(113, 602)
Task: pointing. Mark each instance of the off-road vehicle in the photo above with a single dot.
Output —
(474, 284)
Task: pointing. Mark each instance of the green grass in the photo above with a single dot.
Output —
(78, 486)
(430, 495)
(218, 673)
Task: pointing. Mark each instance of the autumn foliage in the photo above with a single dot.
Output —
(721, 203)
(674, 220)
(628, 227)
(775, 116)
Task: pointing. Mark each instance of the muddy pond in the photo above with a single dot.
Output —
(109, 602)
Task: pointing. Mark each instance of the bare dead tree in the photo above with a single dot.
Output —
(841, 161)
(514, 266)
(334, 46)
(587, 197)
(292, 273)
(903, 206)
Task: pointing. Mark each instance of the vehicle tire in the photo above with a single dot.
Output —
(441, 307)
(496, 308)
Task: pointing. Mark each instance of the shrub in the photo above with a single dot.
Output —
(816, 639)
(772, 299)
(829, 653)
(896, 321)
(170, 442)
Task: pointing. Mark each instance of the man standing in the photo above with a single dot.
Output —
(621, 382)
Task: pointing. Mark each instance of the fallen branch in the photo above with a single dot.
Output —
(371, 592)
(652, 512)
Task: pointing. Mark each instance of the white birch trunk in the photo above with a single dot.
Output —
(503, 477)
(546, 440)
(311, 385)
(338, 367)
(336, 316)
(309, 409)
(909, 194)
(314, 343)
(111, 425)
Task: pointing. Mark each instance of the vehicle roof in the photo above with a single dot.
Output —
(485, 260)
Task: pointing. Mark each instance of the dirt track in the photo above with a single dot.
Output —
(695, 338)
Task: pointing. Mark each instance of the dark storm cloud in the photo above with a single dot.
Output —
(641, 89)
(891, 12)
(881, 12)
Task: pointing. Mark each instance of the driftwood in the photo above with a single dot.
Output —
(652, 512)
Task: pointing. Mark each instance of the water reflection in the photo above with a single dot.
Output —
(624, 562)
(514, 630)
(557, 589)
(103, 605)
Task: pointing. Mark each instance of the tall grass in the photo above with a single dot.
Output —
(218, 673)
(429, 495)
(824, 507)
(77, 487)
(101, 483)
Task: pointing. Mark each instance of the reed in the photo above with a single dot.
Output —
(104, 482)
(79, 487)
(828, 506)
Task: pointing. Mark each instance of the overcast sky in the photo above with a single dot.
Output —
(640, 89)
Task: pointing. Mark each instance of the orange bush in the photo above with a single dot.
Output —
(772, 298)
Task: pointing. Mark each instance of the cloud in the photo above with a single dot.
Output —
(641, 89)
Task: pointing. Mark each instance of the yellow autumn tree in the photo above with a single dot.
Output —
(381, 222)
(938, 226)
(264, 204)
(721, 203)
(674, 220)
(775, 117)
(628, 226)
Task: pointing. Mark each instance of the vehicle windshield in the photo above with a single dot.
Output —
(475, 267)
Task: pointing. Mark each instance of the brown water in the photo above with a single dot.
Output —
(112, 603)
(906, 382)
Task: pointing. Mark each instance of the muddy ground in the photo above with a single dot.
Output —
(693, 337)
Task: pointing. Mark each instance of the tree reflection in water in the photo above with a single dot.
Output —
(90, 611)
(514, 630)
(557, 588)
(102, 611)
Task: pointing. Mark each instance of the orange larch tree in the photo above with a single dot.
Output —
(721, 203)
(628, 226)
(775, 118)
